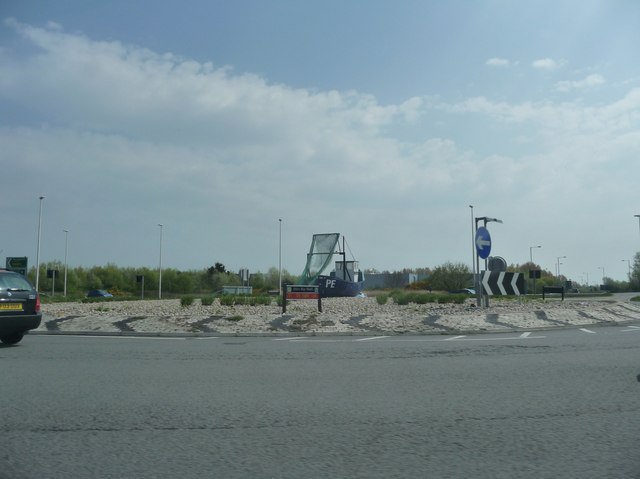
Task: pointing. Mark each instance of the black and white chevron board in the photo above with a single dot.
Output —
(496, 283)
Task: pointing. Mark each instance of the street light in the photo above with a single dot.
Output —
(531, 261)
(66, 249)
(531, 252)
(280, 259)
(558, 267)
(160, 265)
(602, 268)
(38, 250)
(638, 216)
(473, 247)
(629, 266)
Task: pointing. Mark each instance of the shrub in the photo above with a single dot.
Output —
(207, 300)
(382, 298)
(186, 301)
(227, 300)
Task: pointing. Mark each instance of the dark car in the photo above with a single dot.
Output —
(99, 293)
(19, 307)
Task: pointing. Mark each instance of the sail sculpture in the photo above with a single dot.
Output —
(320, 256)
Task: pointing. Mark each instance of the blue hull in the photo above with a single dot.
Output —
(332, 287)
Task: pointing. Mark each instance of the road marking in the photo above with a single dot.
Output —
(372, 338)
(454, 338)
(502, 339)
(289, 339)
(525, 335)
(584, 330)
(634, 329)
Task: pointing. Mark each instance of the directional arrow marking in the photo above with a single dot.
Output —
(505, 283)
(514, 284)
(500, 284)
(482, 242)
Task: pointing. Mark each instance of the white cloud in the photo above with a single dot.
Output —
(588, 82)
(497, 62)
(546, 64)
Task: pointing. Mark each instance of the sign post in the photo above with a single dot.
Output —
(300, 291)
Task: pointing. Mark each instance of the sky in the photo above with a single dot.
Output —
(246, 127)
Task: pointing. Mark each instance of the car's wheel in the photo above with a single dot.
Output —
(12, 339)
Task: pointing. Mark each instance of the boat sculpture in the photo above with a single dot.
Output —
(345, 280)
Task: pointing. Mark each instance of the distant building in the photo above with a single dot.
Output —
(390, 280)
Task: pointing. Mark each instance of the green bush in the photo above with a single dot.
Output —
(382, 298)
(186, 301)
(227, 300)
(207, 300)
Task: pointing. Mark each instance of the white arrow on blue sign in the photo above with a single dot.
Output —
(483, 242)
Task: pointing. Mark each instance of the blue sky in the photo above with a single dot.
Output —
(380, 120)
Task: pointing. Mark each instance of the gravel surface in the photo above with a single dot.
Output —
(339, 315)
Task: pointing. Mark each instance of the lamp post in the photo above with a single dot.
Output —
(38, 250)
(602, 268)
(558, 267)
(66, 250)
(473, 247)
(638, 216)
(531, 261)
(531, 252)
(485, 220)
(160, 265)
(280, 258)
(629, 266)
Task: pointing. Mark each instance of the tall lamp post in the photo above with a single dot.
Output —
(629, 266)
(38, 250)
(531, 252)
(602, 268)
(473, 247)
(638, 216)
(558, 266)
(280, 258)
(66, 250)
(160, 265)
(531, 248)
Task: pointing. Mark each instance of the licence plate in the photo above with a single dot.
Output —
(10, 306)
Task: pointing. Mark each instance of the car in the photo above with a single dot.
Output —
(20, 309)
(99, 293)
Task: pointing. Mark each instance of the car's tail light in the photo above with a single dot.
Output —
(38, 307)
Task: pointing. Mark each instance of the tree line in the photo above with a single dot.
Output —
(125, 281)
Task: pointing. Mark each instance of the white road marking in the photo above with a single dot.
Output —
(372, 338)
(525, 335)
(584, 330)
(454, 338)
(289, 339)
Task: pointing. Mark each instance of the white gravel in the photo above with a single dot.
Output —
(339, 315)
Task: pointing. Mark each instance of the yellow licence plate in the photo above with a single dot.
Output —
(10, 306)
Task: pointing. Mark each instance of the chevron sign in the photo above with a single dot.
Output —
(502, 283)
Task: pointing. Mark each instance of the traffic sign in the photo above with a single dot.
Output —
(502, 283)
(17, 264)
(483, 242)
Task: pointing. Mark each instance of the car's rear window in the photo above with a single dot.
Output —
(14, 281)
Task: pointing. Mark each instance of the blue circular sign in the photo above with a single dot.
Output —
(483, 242)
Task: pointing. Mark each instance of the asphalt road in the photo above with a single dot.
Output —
(538, 405)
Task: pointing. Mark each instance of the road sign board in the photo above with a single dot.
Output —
(483, 242)
(17, 264)
(502, 283)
